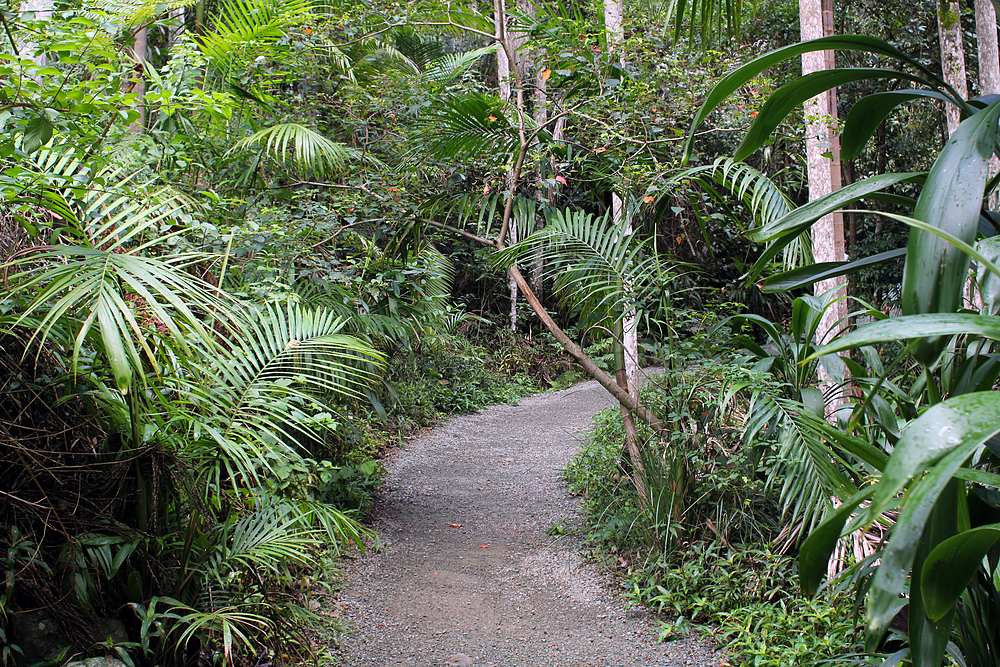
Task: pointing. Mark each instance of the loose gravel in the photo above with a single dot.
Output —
(468, 574)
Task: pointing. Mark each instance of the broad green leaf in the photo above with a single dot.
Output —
(929, 637)
(952, 565)
(37, 133)
(869, 112)
(979, 477)
(936, 270)
(807, 275)
(940, 440)
(914, 326)
(745, 73)
(792, 95)
(804, 216)
(816, 549)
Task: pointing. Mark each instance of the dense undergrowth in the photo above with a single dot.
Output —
(718, 562)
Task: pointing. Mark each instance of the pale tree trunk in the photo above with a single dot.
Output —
(504, 89)
(503, 62)
(41, 10)
(989, 84)
(614, 15)
(628, 370)
(175, 25)
(541, 113)
(140, 52)
(989, 64)
(511, 282)
(816, 20)
(952, 56)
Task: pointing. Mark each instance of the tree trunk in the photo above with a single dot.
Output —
(511, 283)
(816, 19)
(41, 10)
(949, 16)
(989, 65)
(627, 361)
(541, 113)
(614, 14)
(174, 25)
(503, 61)
(989, 84)
(140, 52)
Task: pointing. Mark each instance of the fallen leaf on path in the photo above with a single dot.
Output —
(484, 546)
(454, 525)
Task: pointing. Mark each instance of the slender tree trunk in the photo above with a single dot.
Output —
(627, 361)
(541, 114)
(175, 25)
(989, 65)
(41, 10)
(140, 52)
(503, 61)
(627, 343)
(949, 14)
(816, 20)
(504, 89)
(511, 283)
(614, 15)
(989, 84)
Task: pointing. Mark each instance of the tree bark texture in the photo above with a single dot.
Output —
(823, 160)
(989, 64)
(949, 17)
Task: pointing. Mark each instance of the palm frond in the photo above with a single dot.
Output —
(371, 57)
(234, 625)
(418, 49)
(242, 26)
(469, 126)
(484, 212)
(810, 466)
(122, 294)
(765, 200)
(259, 394)
(593, 261)
(270, 538)
(295, 144)
(132, 13)
(447, 68)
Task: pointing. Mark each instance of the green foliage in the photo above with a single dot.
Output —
(792, 632)
(451, 377)
(934, 537)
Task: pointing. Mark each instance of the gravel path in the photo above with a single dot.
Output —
(468, 575)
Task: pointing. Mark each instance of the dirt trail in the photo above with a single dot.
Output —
(468, 575)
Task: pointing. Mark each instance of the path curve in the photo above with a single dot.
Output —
(496, 591)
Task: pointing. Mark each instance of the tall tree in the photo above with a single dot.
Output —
(989, 63)
(823, 171)
(505, 54)
(949, 16)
